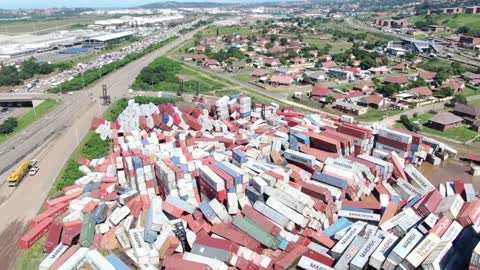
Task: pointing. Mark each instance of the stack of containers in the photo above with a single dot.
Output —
(362, 137)
(245, 107)
(221, 108)
(394, 141)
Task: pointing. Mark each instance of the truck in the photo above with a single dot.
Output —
(19, 173)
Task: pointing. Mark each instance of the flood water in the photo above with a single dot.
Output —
(448, 171)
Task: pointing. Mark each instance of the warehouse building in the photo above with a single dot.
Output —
(104, 40)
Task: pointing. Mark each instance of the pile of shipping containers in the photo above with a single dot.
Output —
(254, 187)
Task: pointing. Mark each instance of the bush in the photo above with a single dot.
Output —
(8, 126)
(408, 124)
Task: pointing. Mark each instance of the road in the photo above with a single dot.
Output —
(52, 140)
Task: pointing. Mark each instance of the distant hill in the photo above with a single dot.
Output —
(161, 5)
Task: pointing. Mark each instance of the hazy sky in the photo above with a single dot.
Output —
(13, 4)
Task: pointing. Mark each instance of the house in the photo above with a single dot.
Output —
(400, 80)
(272, 62)
(457, 85)
(200, 49)
(237, 65)
(329, 64)
(194, 57)
(319, 92)
(349, 107)
(325, 57)
(421, 91)
(374, 101)
(250, 53)
(212, 63)
(379, 70)
(469, 42)
(366, 86)
(341, 74)
(427, 75)
(299, 60)
(316, 75)
(257, 73)
(445, 120)
(351, 95)
(401, 67)
(472, 78)
(469, 113)
(281, 79)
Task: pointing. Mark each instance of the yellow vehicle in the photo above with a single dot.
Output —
(19, 173)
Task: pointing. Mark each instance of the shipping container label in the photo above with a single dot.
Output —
(359, 215)
(419, 179)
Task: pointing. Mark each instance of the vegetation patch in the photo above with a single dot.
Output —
(165, 74)
(11, 75)
(28, 118)
(375, 115)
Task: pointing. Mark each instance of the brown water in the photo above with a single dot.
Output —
(449, 171)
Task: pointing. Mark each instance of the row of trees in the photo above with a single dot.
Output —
(11, 75)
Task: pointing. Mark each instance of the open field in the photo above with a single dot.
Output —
(469, 91)
(452, 20)
(337, 46)
(376, 115)
(44, 25)
(222, 30)
(29, 117)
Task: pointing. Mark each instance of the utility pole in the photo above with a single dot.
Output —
(105, 97)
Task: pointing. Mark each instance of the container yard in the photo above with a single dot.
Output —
(237, 185)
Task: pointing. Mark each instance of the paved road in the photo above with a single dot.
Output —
(52, 140)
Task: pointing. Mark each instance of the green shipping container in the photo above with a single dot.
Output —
(88, 230)
(251, 228)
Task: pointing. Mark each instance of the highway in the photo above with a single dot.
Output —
(52, 140)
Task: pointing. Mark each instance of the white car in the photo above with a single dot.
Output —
(33, 162)
(33, 171)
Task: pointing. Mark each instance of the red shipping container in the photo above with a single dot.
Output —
(71, 224)
(430, 203)
(172, 209)
(32, 236)
(218, 243)
(235, 235)
(291, 258)
(53, 212)
(65, 256)
(441, 226)
(63, 199)
(261, 220)
(321, 258)
(375, 205)
(405, 147)
(459, 187)
(69, 236)
(389, 212)
(177, 262)
(71, 189)
(53, 237)
(229, 182)
(322, 239)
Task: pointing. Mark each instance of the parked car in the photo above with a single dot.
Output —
(33, 171)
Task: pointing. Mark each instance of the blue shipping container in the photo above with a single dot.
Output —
(339, 225)
(330, 180)
(149, 235)
(117, 263)
(236, 176)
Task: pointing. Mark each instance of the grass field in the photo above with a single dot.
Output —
(461, 134)
(222, 30)
(44, 25)
(452, 20)
(337, 46)
(29, 117)
(475, 102)
(375, 115)
(468, 91)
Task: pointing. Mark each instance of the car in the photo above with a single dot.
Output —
(33, 171)
(33, 162)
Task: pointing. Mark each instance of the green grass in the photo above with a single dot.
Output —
(375, 115)
(460, 133)
(45, 25)
(452, 20)
(469, 91)
(244, 77)
(29, 117)
(337, 46)
(474, 102)
(31, 258)
(223, 30)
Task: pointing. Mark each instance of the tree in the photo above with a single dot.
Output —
(389, 90)
(417, 83)
(8, 126)
(464, 30)
(444, 92)
(273, 38)
(459, 99)
(330, 99)
(441, 77)
(292, 53)
(283, 41)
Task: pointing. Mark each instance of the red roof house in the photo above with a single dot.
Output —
(281, 79)
(319, 91)
(401, 80)
(329, 64)
(422, 91)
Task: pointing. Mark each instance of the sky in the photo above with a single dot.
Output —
(14, 4)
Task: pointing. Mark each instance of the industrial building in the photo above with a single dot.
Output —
(103, 40)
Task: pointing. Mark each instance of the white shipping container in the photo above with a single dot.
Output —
(421, 252)
(395, 135)
(268, 212)
(310, 264)
(291, 214)
(380, 254)
(139, 246)
(360, 261)
(97, 261)
(432, 262)
(119, 214)
(450, 206)
(342, 245)
(213, 263)
(452, 232)
(53, 256)
(397, 219)
(295, 193)
(419, 179)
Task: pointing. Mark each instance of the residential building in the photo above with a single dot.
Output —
(422, 91)
(472, 78)
(257, 73)
(329, 64)
(212, 63)
(350, 108)
(316, 75)
(272, 62)
(319, 92)
(457, 85)
(340, 74)
(427, 75)
(281, 79)
(366, 86)
(469, 113)
(445, 120)
(373, 101)
(400, 80)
